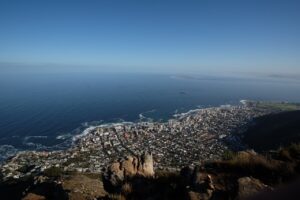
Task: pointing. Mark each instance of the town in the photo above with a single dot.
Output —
(187, 139)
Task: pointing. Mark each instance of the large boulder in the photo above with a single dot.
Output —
(201, 186)
(146, 165)
(115, 174)
(131, 166)
(32, 196)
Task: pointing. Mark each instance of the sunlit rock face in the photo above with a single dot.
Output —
(146, 165)
(248, 186)
(131, 166)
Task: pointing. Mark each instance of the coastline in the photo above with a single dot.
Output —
(73, 140)
(193, 137)
(68, 139)
(87, 130)
(163, 129)
(9, 151)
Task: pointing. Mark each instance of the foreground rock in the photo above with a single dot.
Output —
(134, 178)
(249, 186)
(243, 175)
(32, 196)
(81, 187)
(131, 166)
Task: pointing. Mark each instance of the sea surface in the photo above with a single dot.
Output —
(40, 111)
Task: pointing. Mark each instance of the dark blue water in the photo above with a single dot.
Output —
(36, 108)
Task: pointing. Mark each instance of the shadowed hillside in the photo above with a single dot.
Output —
(238, 177)
(274, 130)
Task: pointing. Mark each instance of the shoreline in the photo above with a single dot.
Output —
(72, 140)
(196, 136)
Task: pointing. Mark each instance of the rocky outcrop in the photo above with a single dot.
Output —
(133, 178)
(248, 186)
(145, 167)
(83, 187)
(200, 185)
(131, 166)
(32, 196)
(115, 174)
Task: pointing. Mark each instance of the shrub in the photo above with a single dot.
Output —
(116, 197)
(25, 168)
(284, 154)
(228, 155)
(294, 150)
(252, 163)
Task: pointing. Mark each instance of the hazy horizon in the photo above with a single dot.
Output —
(247, 38)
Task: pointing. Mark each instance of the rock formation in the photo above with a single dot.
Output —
(133, 178)
(32, 196)
(146, 165)
(248, 186)
(200, 185)
(129, 167)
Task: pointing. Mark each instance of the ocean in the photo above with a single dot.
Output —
(45, 111)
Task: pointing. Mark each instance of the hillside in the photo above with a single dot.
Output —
(240, 176)
(234, 175)
(274, 130)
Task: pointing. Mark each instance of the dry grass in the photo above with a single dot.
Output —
(116, 197)
(253, 163)
(271, 171)
(80, 186)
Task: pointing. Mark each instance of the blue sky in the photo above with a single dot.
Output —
(253, 36)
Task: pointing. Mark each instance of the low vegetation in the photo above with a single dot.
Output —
(273, 167)
(280, 106)
(53, 172)
(273, 131)
(217, 179)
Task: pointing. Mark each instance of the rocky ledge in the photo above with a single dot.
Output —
(241, 175)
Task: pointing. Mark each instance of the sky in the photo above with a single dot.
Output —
(250, 36)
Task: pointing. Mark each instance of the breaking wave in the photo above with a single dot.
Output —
(91, 128)
(143, 116)
(27, 141)
(180, 115)
(64, 136)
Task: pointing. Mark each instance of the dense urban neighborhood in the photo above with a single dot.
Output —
(187, 139)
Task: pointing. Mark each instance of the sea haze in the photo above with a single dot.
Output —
(42, 111)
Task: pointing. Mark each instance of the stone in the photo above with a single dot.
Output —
(202, 186)
(116, 174)
(248, 186)
(146, 165)
(32, 196)
(129, 167)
